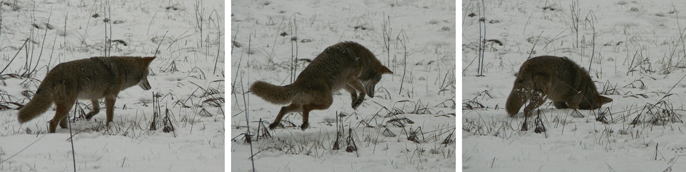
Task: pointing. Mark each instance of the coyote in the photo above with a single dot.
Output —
(556, 78)
(346, 65)
(92, 79)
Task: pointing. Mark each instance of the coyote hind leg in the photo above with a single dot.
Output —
(62, 111)
(284, 110)
(323, 102)
(306, 113)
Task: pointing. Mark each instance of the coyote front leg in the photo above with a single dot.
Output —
(109, 104)
(96, 109)
(351, 87)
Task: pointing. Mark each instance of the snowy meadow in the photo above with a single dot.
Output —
(634, 52)
(409, 124)
(178, 125)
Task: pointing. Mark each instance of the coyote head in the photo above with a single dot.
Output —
(143, 83)
(595, 103)
(371, 76)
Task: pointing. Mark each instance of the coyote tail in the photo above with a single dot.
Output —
(40, 103)
(273, 93)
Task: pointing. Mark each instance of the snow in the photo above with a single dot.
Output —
(419, 97)
(637, 55)
(183, 74)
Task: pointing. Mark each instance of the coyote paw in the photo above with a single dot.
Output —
(273, 126)
(304, 126)
(64, 125)
(90, 115)
(356, 103)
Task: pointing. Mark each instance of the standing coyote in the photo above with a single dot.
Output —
(556, 78)
(346, 65)
(92, 79)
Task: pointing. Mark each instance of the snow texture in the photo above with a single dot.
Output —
(188, 75)
(409, 125)
(634, 52)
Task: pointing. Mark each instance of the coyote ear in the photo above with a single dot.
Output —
(147, 60)
(604, 100)
(384, 69)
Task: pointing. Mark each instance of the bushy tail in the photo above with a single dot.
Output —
(272, 93)
(514, 102)
(38, 105)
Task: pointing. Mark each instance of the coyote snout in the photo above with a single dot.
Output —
(144, 84)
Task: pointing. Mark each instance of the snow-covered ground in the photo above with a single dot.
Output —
(188, 75)
(635, 52)
(408, 126)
